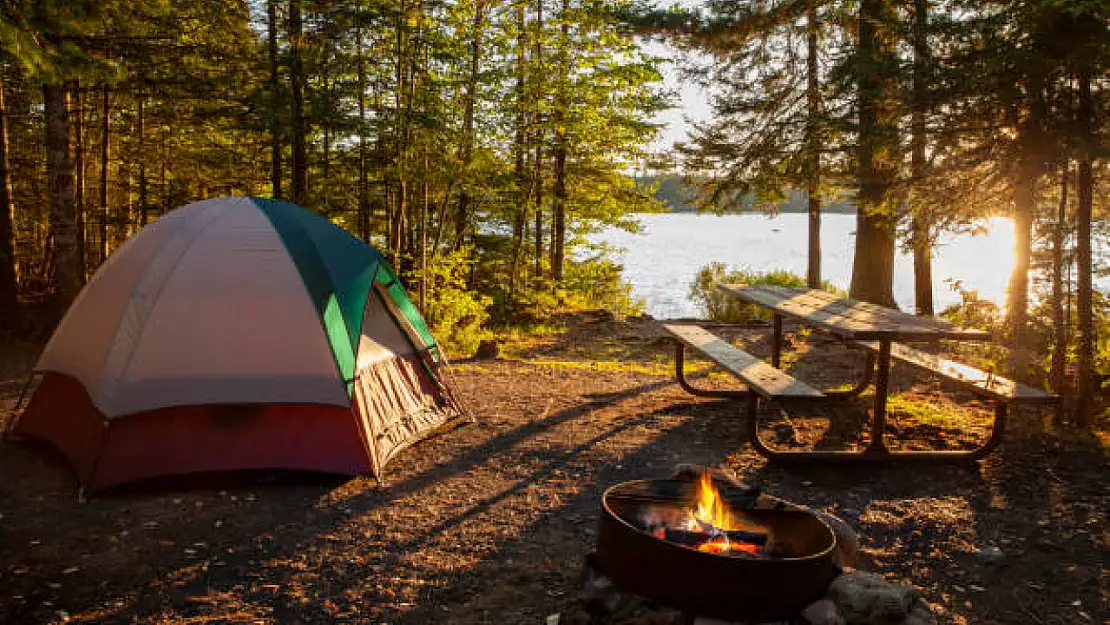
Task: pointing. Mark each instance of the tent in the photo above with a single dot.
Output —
(237, 333)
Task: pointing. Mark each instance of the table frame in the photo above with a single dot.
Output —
(882, 324)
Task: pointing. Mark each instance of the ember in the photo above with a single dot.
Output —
(710, 525)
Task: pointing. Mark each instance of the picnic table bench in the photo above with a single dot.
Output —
(876, 330)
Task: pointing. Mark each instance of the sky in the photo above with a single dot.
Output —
(690, 100)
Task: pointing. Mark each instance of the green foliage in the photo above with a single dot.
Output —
(597, 283)
(973, 311)
(455, 313)
(722, 307)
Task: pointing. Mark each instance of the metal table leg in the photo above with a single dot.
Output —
(878, 419)
(776, 340)
(680, 375)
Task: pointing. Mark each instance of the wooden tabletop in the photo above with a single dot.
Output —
(848, 318)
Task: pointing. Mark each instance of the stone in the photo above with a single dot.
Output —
(866, 599)
(991, 555)
(598, 595)
(487, 349)
(823, 612)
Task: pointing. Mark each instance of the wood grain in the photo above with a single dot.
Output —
(761, 377)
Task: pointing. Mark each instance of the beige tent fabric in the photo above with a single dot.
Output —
(396, 398)
(218, 314)
(397, 406)
(81, 342)
(381, 336)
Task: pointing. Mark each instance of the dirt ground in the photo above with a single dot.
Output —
(488, 522)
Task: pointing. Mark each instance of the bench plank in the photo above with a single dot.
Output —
(761, 377)
(977, 380)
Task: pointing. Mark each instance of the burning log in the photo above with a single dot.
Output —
(692, 538)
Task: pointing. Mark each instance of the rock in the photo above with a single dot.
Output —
(991, 555)
(867, 599)
(598, 595)
(823, 612)
(487, 349)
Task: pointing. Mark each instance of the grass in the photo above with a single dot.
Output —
(915, 411)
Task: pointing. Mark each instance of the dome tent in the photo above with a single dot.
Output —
(237, 333)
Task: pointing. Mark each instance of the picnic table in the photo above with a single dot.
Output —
(880, 332)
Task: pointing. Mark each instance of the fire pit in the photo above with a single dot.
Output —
(714, 549)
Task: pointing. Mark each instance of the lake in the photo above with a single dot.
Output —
(661, 261)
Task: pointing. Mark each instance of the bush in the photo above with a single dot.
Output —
(456, 314)
(720, 306)
(597, 283)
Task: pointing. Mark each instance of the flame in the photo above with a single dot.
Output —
(711, 509)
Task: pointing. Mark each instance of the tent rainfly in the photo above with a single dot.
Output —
(237, 333)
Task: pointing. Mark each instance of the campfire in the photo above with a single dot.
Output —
(709, 525)
(712, 548)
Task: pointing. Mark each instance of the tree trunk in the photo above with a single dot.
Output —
(559, 204)
(1085, 382)
(142, 166)
(519, 149)
(9, 301)
(537, 166)
(922, 220)
(401, 138)
(67, 276)
(79, 161)
(104, 169)
(813, 149)
(1030, 167)
(462, 217)
(1057, 375)
(1017, 301)
(297, 83)
(363, 182)
(275, 89)
(873, 263)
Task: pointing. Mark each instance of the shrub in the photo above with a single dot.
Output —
(720, 306)
(455, 313)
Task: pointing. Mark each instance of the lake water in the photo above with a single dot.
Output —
(661, 261)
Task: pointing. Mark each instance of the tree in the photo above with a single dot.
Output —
(9, 303)
(297, 121)
(876, 156)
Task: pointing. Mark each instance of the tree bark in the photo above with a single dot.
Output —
(363, 182)
(401, 138)
(1085, 382)
(1057, 375)
(1030, 167)
(537, 166)
(104, 169)
(297, 84)
(462, 216)
(1017, 301)
(9, 301)
(922, 220)
(873, 262)
(79, 166)
(275, 89)
(519, 149)
(559, 204)
(142, 164)
(67, 276)
(813, 149)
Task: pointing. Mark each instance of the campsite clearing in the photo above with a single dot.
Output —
(488, 523)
